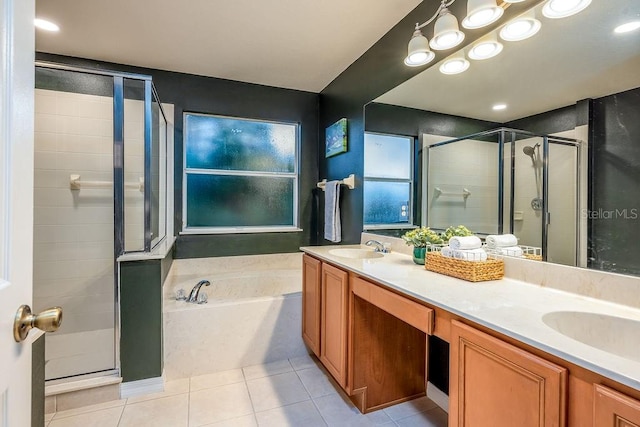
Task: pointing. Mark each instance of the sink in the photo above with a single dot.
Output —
(355, 253)
(615, 335)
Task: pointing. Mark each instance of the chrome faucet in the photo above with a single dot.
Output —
(193, 295)
(378, 247)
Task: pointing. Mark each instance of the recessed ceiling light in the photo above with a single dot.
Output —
(499, 107)
(43, 24)
(485, 49)
(454, 66)
(563, 8)
(628, 27)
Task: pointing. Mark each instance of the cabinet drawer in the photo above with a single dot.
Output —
(416, 315)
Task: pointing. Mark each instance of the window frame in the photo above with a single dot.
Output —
(411, 208)
(295, 176)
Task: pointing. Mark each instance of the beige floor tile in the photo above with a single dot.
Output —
(317, 382)
(433, 418)
(218, 404)
(89, 408)
(303, 362)
(407, 409)
(268, 369)
(171, 388)
(103, 418)
(276, 390)
(246, 421)
(165, 412)
(298, 414)
(216, 379)
(338, 411)
(48, 417)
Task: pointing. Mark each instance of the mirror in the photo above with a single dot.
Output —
(577, 81)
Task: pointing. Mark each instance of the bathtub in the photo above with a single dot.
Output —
(253, 314)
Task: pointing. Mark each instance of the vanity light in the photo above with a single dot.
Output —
(485, 49)
(43, 24)
(481, 13)
(628, 27)
(499, 107)
(454, 65)
(419, 52)
(520, 28)
(446, 32)
(562, 8)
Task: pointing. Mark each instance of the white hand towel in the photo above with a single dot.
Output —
(510, 251)
(446, 251)
(332, 227)
(467, 242)
(470, 254)
(501, 240)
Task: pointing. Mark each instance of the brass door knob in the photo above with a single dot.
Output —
(48, 321)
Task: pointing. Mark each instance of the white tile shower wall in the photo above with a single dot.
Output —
(464, 164)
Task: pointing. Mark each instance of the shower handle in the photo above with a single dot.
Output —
(48, 321)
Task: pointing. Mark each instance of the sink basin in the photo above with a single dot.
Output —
(615, 335)
(355, 253)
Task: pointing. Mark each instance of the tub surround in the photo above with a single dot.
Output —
(511, 306)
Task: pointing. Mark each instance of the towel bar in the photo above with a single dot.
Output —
(349, 181)
(437, 192)
(75, 184)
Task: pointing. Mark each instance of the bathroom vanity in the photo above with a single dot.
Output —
(514, 357)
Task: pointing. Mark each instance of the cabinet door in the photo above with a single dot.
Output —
(333, 329)
(495, 384)
(311, 281)
(614, 409)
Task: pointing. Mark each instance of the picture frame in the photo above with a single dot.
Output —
(336, 138)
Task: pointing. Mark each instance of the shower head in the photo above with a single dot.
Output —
(529, 150)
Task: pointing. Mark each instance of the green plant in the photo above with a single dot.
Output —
(459, 231)
(422, 237)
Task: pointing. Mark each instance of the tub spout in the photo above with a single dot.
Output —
(193, 295)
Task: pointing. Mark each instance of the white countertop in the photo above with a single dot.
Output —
(508, 306)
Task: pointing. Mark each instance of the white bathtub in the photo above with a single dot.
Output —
(253, 315)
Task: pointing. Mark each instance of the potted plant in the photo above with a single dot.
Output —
(421, 239)
(459, 231)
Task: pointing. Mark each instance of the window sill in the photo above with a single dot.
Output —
(389, 227)
(240, 230)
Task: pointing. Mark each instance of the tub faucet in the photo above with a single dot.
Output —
(193, 295)
(378, 247)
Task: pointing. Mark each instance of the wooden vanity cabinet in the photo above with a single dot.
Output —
(333, 322)
(614, 409)
(311, 285)
(495, 384)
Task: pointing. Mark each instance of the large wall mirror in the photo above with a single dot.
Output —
(542, 140)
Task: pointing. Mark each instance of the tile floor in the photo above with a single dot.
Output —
(294, 392)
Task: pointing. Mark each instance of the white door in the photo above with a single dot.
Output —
(16, 204)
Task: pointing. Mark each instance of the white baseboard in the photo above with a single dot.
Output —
(137, 388)
(438, 396)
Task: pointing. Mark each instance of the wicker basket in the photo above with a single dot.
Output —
(473, 271)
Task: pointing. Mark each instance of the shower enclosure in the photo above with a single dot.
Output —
(100, 192)
(500, 181)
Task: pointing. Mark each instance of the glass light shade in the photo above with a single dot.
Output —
(513, 1)
(562, 8)
(454, 66)
(485, 49)
(521, 28)
(418, 51)
(43, 24)
(446, 33)
(628, 27)
(481, 13)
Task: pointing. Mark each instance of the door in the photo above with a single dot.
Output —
(614, 409)
(333, 328)
(16, 204)
(311, 280)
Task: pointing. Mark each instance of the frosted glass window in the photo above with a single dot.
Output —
(239, 173)
(388, 183)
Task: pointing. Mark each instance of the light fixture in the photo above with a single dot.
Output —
(481, 13)
(562, 8)
(446, 33)
(455, 65)
(498, 107)
(43, 24)
(628, 27)
(520, 28)
(418, 51)
(485, 49)
(513, 1)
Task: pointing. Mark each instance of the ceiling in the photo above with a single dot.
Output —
(296, 44)
(568, 60)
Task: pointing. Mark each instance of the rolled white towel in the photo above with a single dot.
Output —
(466, 242)
(501, 240)
(446, 251)
(470, 254)
(510, 251)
